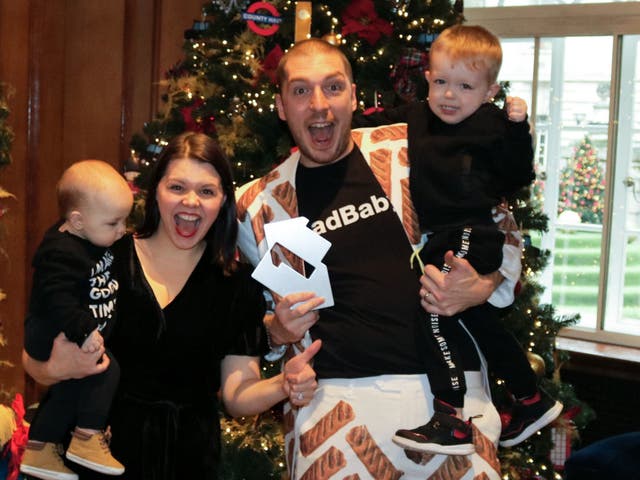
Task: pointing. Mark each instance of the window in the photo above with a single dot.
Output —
(578, 67)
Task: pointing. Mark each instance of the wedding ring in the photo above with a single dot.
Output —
(300, 396)
(426, 296)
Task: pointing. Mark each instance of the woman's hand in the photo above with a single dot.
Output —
(458, 290)
(289, 325)
(244, 392)
(66, 361)
(299, 377)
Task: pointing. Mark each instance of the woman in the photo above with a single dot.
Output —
(189, 324)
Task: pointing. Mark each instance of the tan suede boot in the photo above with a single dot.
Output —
(43, 460)
(92, 451)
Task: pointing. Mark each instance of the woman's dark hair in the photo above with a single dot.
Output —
(222, 235)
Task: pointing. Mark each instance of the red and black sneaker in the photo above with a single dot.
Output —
(528, 416)
(444, 434)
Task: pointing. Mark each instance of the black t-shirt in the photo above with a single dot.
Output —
(373, 327)
(74, 291)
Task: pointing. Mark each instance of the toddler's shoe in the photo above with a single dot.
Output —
(444, 434)
(92, 451)
(43, 460)
(529, 416)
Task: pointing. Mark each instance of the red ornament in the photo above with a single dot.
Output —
(195, 123)
(413, 62)
(135, 190)
(505, 419)
(361, 18)
(517, 288)
(270, 63)
(371, 110)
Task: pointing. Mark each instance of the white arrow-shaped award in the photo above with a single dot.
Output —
(294, 235)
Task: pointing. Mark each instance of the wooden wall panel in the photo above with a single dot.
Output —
(139, 95)
(93, 50)
(45, 157)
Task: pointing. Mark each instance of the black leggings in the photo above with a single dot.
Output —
(84, 402)
(481, 245)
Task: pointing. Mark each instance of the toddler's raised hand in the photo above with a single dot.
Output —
(516, 109)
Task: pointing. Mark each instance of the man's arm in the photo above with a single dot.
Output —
(463, 287)
(67, 361)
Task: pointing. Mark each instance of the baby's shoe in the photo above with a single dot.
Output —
(43, 460)
(92, 451)
(444, 433)
(528, 416)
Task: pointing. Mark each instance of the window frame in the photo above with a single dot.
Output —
(536, 22)
(586, 19)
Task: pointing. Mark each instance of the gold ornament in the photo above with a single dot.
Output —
(537, 363)
(303, 21)
(333, 38)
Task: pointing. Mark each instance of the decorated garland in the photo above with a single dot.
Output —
(13, 431)
(6, 139)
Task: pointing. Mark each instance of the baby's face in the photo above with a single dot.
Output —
(104, 216)
(456, 91)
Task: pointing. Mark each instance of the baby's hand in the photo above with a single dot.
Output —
(93, 342)
(516, 109)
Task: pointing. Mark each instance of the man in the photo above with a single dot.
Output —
(371, 359)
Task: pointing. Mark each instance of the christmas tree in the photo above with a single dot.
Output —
(225, 87)
(582, 184)
(536, 326)
(225, 84)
